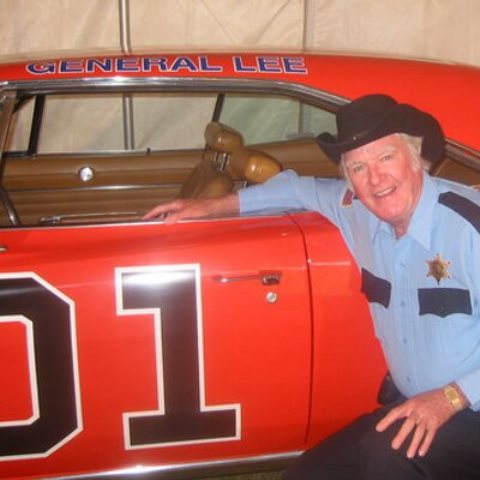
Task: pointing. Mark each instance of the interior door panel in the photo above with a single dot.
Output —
(82, 188)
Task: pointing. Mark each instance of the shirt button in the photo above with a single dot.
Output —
(402, 303)
(409, 380)
(405, 341)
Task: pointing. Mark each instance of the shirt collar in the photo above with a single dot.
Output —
(420, 226)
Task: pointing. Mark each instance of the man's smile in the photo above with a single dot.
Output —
(384, 192)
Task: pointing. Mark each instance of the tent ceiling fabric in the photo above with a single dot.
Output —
(39, 27)
(434, 29)
(216, 24)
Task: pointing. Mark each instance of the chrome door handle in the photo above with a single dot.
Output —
(3, 249)
(266, 278)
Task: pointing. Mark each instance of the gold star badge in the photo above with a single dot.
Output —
(438, 268)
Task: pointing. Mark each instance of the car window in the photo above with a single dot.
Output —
(108, 157)
(20, 127)
(171, 121)
(267, 118)
(86, 122)
(95, 122)
(161, 121)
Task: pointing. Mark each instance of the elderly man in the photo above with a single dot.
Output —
(416, 240)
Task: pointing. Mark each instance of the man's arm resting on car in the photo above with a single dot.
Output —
(194, 208)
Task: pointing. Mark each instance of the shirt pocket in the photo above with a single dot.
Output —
(376, 289)
(444, 301)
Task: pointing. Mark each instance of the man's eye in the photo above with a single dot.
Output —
(357, 168)
(386, 158)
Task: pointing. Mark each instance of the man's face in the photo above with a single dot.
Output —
(386, 179)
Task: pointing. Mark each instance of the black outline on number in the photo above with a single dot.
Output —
(227, 415)
(16, 434)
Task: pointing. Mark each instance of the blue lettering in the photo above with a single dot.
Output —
(71, 66)
(269, 64)
(239, 67)
(294, 65)
(205, 67)
(40, 68)
(263, 64)
(159, 63)
(95, 64)
(184, 62)
(127, 65)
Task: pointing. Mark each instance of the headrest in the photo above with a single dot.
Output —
(222, 138)
(253, 165)
(205, 181)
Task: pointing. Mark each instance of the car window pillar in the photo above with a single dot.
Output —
(7, 103)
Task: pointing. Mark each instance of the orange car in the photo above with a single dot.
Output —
(137, 348)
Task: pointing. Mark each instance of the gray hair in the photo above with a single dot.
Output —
(414, 145)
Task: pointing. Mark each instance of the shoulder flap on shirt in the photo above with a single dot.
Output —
(469, 210)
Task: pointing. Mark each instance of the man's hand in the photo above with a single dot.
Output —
(424, 414)
(194, 208)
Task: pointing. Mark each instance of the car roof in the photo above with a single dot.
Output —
(448, 91)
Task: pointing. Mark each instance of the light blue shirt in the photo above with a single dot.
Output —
(429, 330)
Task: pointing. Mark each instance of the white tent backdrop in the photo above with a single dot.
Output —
(433, 29)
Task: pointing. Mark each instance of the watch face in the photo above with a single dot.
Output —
(453, 397)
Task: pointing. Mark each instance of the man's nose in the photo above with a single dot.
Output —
(374, 175)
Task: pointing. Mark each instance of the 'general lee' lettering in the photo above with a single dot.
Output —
(200, 64)
(271, 65)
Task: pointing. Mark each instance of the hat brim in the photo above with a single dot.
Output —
(401, 118)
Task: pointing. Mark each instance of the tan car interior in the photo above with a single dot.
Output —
(227, 162)
(78, 189)
(209, 179)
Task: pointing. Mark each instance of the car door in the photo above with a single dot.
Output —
(152, 344)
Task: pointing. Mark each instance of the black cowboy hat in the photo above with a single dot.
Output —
(375, 116)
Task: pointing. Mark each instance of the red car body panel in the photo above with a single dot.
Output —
(348, 365)
(263, 345)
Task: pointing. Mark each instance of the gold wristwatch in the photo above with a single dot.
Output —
(455, 399)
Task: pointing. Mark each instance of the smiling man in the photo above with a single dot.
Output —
(416, 241)
(386, 179)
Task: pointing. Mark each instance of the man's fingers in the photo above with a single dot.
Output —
(427, 442)
(390, 418)
(417, 438)
(161, 210)
(407, 427)
(154, 213)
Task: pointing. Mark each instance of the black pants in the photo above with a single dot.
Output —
(359, 452)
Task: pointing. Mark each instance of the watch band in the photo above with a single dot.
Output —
(453, 397)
